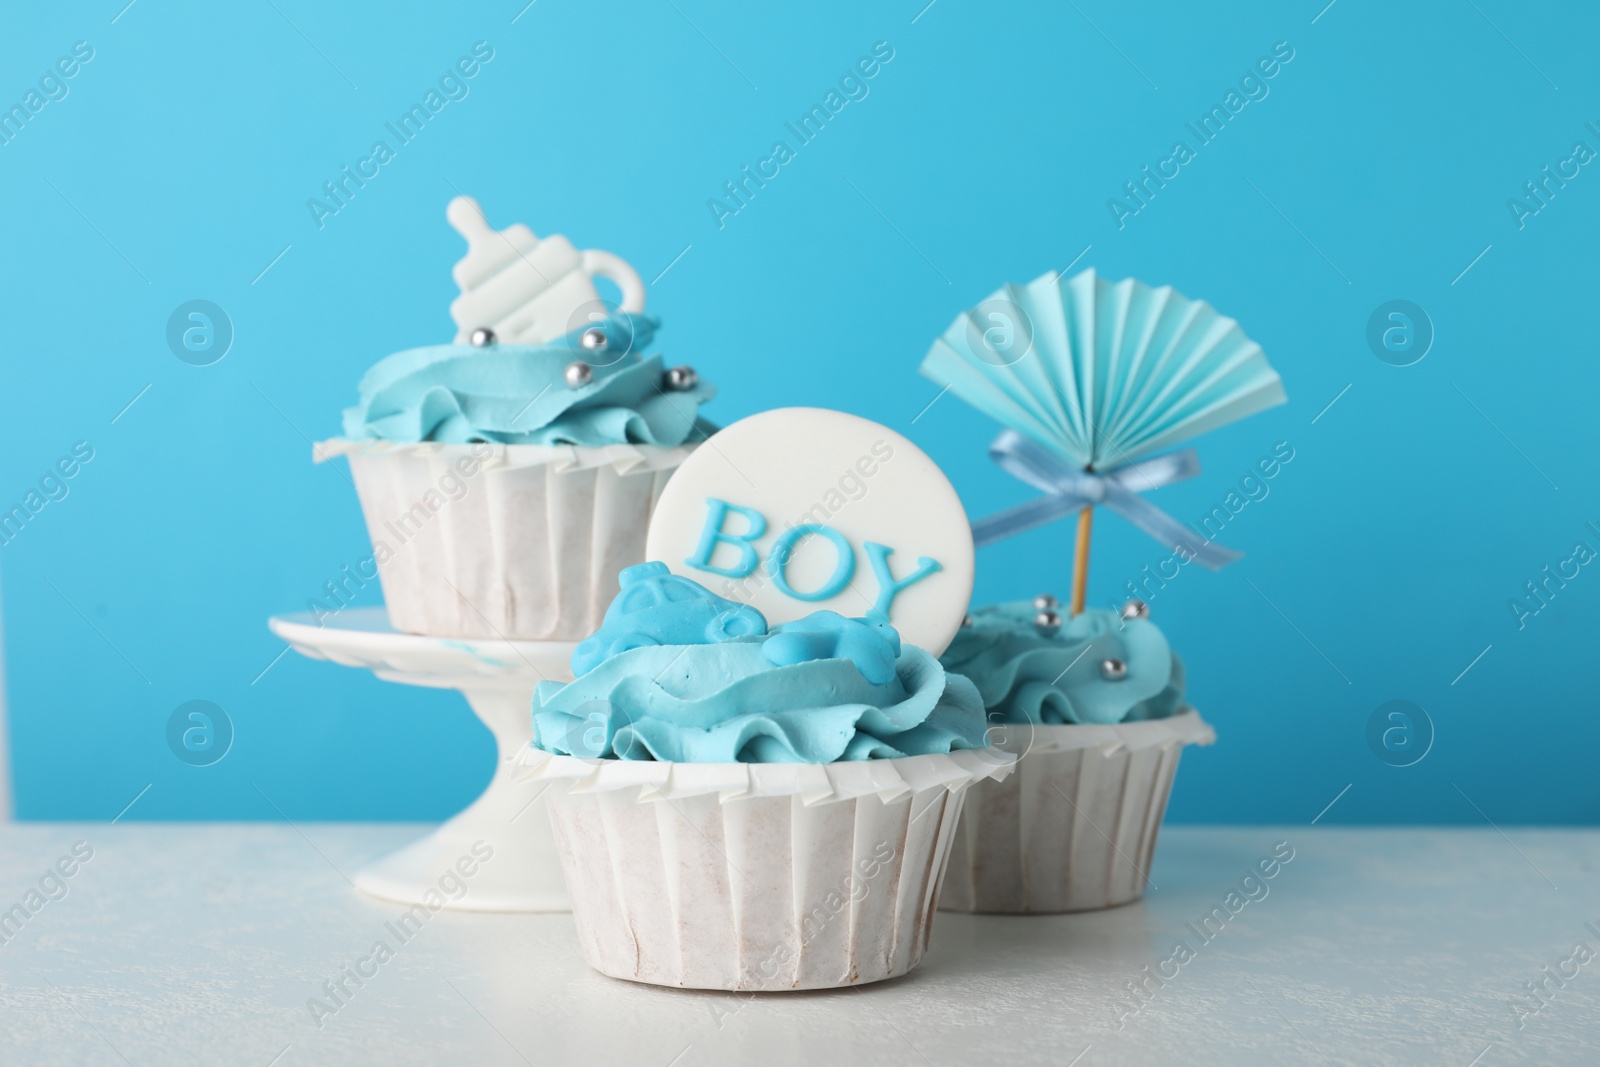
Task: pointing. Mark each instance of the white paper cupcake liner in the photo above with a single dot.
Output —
(527, 547)
(1074, 829)
(758, 877)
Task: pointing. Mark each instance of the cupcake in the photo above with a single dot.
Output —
(506, 480)
(1092, 381)
(753, 808)
(1093, 706)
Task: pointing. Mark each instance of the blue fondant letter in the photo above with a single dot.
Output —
(713, 534)
(888, 587)
(783, 548)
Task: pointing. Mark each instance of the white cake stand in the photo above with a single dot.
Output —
(497, 678)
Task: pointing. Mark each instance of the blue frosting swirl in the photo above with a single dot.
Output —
(677, 673)
(1025, 675)
(517, 394)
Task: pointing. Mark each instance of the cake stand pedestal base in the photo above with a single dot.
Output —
(505, 833)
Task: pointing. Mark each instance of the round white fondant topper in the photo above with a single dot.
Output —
(804, 509)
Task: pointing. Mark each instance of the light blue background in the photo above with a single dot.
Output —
(1378, 167)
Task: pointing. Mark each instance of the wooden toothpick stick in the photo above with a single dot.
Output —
(1080, 562)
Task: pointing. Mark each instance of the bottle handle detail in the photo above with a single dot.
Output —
(617, 269)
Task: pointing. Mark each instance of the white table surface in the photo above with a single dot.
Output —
(201, 944)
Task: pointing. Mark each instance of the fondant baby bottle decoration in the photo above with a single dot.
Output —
(526, 289)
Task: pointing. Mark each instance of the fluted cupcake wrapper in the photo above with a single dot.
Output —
(527, 546)
(1074, 829)
(755, 877)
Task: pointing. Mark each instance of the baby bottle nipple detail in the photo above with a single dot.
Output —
(525, 289)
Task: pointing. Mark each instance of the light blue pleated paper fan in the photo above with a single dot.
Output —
(1101, 372)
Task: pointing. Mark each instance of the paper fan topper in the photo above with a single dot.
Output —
(1090, 379)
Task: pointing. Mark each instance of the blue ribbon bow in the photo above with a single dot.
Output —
(1070, 490)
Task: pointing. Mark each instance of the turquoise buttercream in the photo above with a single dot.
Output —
(1024, 675)
(516, 394)
(820, 689)
(728, 702)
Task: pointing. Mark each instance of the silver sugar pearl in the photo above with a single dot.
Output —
(593, 339)
(1113, 670)
(1045, 602)
(482, 337)
(1136, 609)
(966, 621)
(578, 374)
(1047, 622)
(680, 379)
